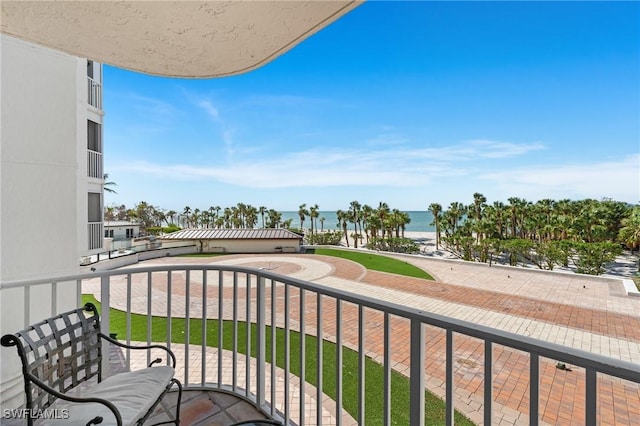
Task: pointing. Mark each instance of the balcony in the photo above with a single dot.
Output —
(94, 90)
(95, 233)
(357, 358)
(94, 164)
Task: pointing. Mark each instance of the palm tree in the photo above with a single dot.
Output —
(367, 212)
(274, 218)
(629, 234)
(499, 211)
(383, 212)
(456, 212)
(108, 184)
(171, 215)
(186, 212)
(313, 214)
(262, 210)
(355, 209)
(404, 220)
(322, 219)
(342, 223)
(479, 201)
(109, 213)
(435, 210)
(302, 213)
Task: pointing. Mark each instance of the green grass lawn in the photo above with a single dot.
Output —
(374, 372)
(377, 263)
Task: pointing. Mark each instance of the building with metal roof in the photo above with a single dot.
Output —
(239, 240)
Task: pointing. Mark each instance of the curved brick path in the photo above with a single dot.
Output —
(563, 308)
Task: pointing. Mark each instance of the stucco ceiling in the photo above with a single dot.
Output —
(172, 38)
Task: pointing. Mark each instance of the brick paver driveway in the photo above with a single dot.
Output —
(592, 314)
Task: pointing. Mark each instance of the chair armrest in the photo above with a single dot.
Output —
(123, 345)
(95, 420)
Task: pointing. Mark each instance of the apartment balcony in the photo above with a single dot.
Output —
(94, 90)
(94, 164)
(306, 353)
(95, 235)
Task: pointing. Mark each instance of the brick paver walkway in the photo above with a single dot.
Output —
(582, 312)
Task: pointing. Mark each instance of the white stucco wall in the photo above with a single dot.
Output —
(120, 232)
(38, 175)
(39, 186)
(249, 246)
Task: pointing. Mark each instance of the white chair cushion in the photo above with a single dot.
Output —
(133, 393)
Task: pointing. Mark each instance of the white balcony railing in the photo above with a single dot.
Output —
(392, 335)
(94, 93)
(95, 233)
(94, 164)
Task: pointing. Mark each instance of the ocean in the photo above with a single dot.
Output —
(420, 221)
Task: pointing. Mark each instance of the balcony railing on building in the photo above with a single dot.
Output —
(95, 232)
(94, 164)
(95, 93)
(283, 344)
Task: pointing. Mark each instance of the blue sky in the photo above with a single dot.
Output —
(404, 102)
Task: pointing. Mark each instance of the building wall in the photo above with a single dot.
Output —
(249, 246)
(87, 184)
(120, 232)
(43, 186)
(39, 139)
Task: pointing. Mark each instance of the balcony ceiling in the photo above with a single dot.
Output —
(172, 38)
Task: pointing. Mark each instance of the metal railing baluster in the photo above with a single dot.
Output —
(287, 355)
(169, 313)
(187, 329)
(320, 360)
(149, 313)
(450, 379)
(534, 389)
(105, 323)
(488, 382)
(220, 323)
(303, 358)
(273, 347)
(261, 341)
(387, 370)
(247, 370)
(203, 355)
(128, 321)
(416, 373)
(361, 365)
(338, 362)
(591, 397)
(235, 333)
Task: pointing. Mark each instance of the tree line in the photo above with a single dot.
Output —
(546, 233)
(242, 215)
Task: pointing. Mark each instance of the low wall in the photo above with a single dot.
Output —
(132, 259)
(168, 251)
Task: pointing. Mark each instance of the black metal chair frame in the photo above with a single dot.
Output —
(60, 353)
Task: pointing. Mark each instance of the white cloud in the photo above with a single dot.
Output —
(617, 179)
(208, 107)
(393, 166)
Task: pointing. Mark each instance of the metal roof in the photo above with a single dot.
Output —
(232, 234)
(120, 223)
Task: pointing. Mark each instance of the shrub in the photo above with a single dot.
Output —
(331, 238)
(395, 245)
